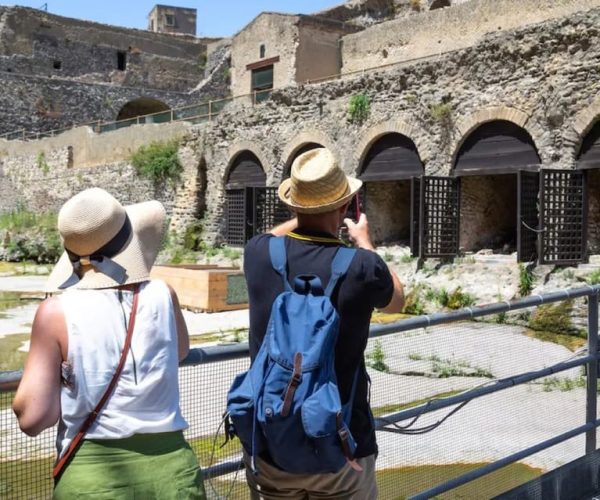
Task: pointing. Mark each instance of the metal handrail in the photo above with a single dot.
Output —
(213, 354)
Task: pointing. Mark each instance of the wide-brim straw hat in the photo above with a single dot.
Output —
(317, 184)
(106, 244)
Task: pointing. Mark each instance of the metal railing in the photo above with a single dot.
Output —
(536, 430)
(194, 113)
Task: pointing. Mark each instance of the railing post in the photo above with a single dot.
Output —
(209, 110)
(172, 115)
(23, 133)
(592, 373)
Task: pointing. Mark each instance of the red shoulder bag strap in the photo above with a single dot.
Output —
(91, 418)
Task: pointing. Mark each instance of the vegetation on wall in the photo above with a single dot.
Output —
(525, 280)
(41, 162)
(25, 235)
(359, 107)
(158, 161)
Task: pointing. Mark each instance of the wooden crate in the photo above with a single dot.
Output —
(205, 288)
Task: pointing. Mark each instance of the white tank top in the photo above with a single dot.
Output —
(146, 396)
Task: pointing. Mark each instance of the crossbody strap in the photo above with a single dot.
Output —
(91, 418)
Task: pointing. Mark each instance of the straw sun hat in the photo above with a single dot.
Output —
(105, 243)
(317, 184)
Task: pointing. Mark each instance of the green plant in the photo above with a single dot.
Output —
(158, 161)
(41, 162)
(501, 317)
(594, 277)
(192, 236)
(231, 253)
(407, 258)
(562, 384)
(376, 358)
(414, 356)
(412, 302)
(388, 257)
(29, 236)
(359, 107)
(441, 112)
(555, 318)
(525, 280)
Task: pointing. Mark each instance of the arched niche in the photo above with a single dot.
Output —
(246, 170)
(488, 163)
(389, 165)
(143, 106)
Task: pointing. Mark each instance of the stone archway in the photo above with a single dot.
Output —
(144, 106)
(488, 161)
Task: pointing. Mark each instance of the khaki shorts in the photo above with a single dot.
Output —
(346, 484)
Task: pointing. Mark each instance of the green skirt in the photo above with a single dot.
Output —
(144, 466)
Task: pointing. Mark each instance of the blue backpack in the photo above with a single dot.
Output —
(288, 402)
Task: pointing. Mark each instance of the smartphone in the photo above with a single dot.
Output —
(354, 210)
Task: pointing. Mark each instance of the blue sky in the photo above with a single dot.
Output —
(215, 17)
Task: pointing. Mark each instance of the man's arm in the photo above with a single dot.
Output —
(359, 235)
(285, 227)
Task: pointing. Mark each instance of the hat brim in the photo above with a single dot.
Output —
(284, 193)
(137, 256)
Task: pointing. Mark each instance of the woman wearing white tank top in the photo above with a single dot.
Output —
(110, 314)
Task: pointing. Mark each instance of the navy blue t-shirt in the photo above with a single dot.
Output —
(367, 285)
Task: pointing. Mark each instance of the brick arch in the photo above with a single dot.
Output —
(388, 127)
(303, 138)
(239, 147)
(468, 124)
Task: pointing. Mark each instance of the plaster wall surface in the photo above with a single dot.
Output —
(431, 33)
(90, 149)
(315, 39)
(279, 35)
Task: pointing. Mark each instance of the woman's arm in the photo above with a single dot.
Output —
(183, 339)
(37, 402)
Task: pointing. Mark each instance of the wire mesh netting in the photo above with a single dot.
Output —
(407, 370)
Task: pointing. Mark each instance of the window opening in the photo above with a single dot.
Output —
(169, 19)
(262, 82)
(262, 50)
(57, 64)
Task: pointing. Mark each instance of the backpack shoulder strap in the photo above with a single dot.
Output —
(339, 267)
(279, 259)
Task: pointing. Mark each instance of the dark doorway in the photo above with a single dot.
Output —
(389, 165)
(159, 112)
(488, 162)
(245, 173)
(121, 60)
(438, 4)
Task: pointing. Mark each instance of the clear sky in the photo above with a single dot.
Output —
(216, 18)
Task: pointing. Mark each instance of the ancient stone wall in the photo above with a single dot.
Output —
(37, 103)
(433, 32)
(278, 33)
(35, 42)
(88, 148)
(543, 77)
